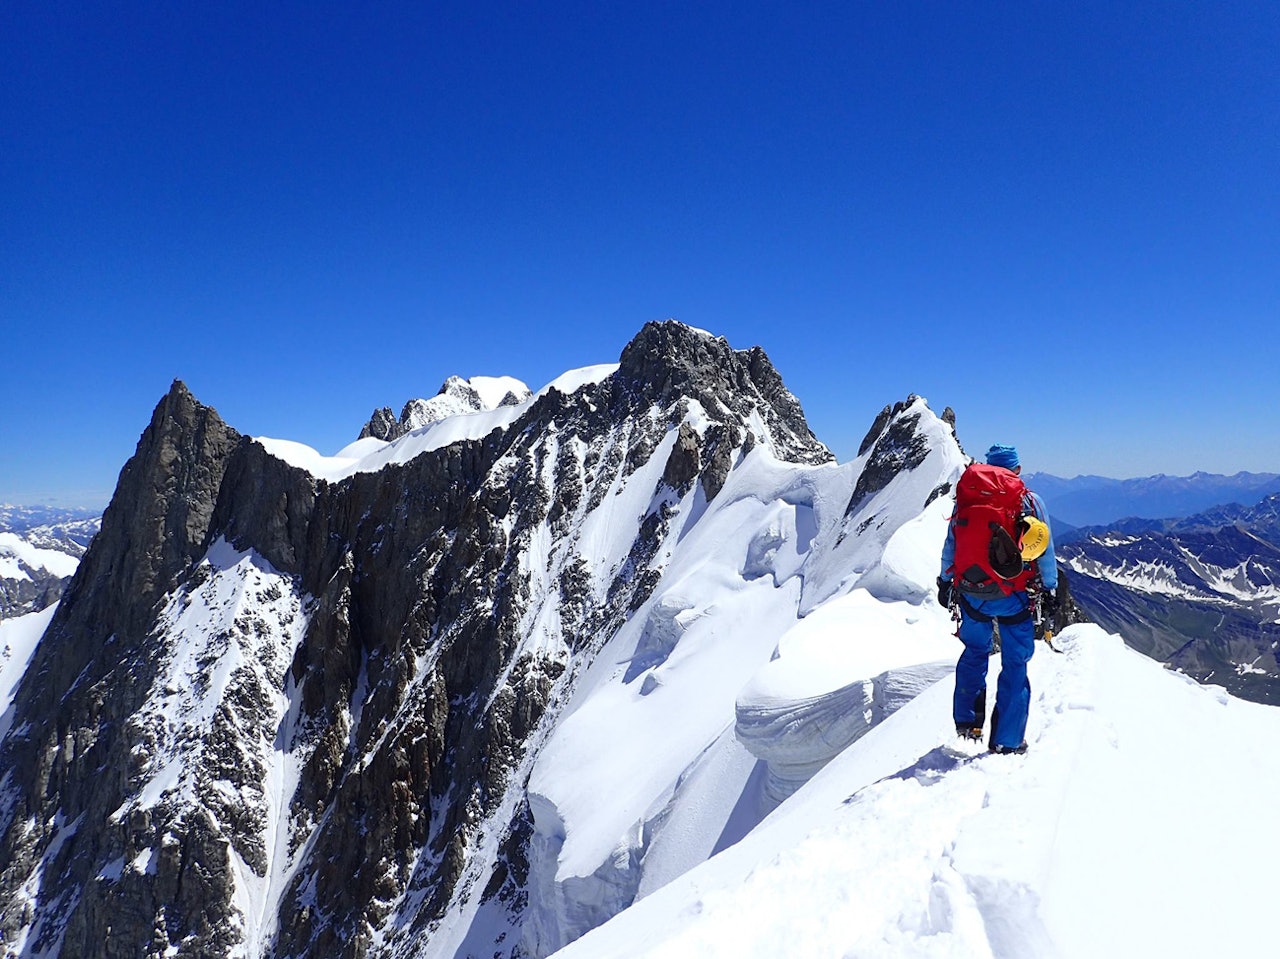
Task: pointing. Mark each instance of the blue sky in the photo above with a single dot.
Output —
(1063, 220)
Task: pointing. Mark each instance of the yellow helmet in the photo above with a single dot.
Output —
(1035, 538)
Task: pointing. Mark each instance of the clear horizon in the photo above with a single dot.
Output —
(1062, 223)
(73, 499)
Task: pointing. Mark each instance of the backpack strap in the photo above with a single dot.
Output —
(1013, 620)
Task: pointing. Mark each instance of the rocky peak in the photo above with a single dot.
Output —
(95, 665)
(155, 526)
(894, 444)
(158, 518)
(382, 425)
(667, 360)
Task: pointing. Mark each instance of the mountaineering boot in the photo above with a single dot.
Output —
(966, 731)
(973, 728)
(1009, 750)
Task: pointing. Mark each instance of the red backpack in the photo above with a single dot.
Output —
(988, 560)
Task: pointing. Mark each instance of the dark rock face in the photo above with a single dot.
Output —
(1069, 612)
(36, 590)
(894, 444)
(67, 758)
(373, 636)
(674, 360)
(682, 465)
(382, 425)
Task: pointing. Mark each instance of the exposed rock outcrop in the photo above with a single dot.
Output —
(893, 445)
(674, 360)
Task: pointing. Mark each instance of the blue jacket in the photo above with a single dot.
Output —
(1047, 564)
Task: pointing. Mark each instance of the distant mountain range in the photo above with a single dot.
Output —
(40, 548)
(1201, 593)
(1097, 500)
(20, 519)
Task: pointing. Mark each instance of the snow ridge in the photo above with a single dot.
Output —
(900, 847)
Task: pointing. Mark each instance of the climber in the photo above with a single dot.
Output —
(998, 564)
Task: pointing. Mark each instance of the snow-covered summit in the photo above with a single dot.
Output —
(453, 419)
(457, 396)
(666, 364)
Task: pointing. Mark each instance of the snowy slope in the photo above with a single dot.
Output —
(18, 639)
(18, 557)
(215, 740)
(1078, 849)
(221, 718)
(652, 724)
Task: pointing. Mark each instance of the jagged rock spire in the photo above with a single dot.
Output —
(668, 359)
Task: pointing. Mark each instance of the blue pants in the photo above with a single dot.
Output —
(1013, 689)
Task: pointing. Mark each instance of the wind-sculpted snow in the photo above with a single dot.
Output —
(837, 673)
(900, 847)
